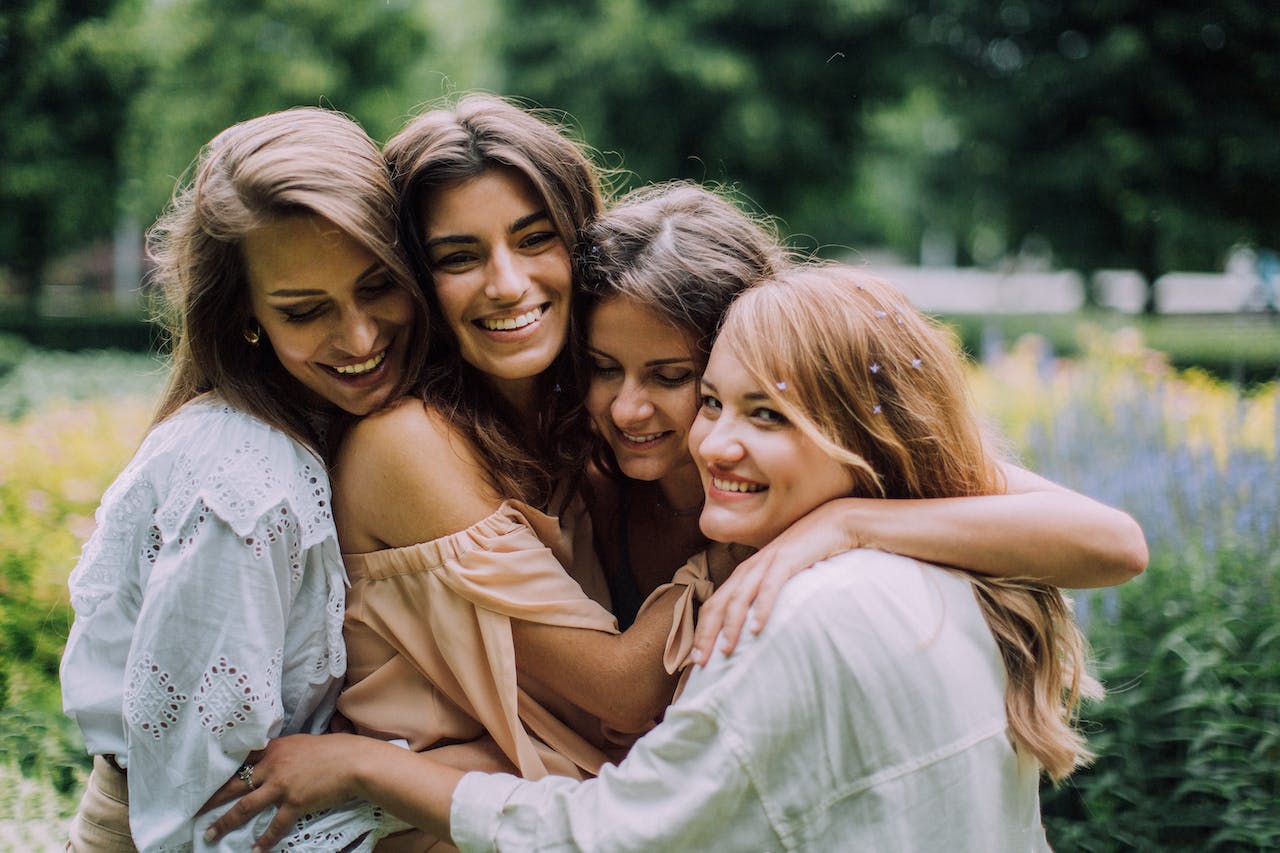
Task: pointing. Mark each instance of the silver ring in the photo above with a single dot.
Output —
(246, 775)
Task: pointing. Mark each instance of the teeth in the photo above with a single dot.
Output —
(506, 324)
(362, 367)
(642, 439)
(736, 486)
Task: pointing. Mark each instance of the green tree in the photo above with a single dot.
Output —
(1127, 134)
(66, 80)
(769, 96)
(211, 63)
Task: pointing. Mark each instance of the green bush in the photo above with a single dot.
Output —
(1188, 737)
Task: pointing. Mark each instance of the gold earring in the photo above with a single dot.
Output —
(253, 336)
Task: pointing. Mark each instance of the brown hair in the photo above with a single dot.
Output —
(880, 387)
(680, 249)
(299, 161)
(455, 142)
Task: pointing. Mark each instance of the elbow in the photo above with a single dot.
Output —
(1130, 554)
(632, 720)
(638, 711)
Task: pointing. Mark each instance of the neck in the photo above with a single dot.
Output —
(682, 489)
(521, 395)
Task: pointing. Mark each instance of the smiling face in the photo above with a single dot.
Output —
(759, 471)
(337, 322)
(501, 274)
(643, 393)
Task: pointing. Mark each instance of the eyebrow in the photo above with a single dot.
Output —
(519, 225)
(752, 396)
(657, 362)
(372, 270)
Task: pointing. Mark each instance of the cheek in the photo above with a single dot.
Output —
(599, 399)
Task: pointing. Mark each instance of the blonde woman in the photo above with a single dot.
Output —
(889, 704)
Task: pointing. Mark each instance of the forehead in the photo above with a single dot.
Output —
(494, 198)
(727, 373)
(622, 326)
(303, 252)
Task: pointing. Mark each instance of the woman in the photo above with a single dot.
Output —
(209, 598)
(889, 705)
(658, 272)
(460, 582)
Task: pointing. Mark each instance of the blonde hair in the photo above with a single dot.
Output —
(299, 161)
(880, 388)
(452, 143)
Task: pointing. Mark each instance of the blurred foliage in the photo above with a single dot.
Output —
(1122, 134)
(1243, 349)
(1119, 133)
(66, 75)
(1188, 737)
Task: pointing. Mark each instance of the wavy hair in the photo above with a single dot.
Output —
(299, 161)
(881, 389)
(452, 143)
(680, 249)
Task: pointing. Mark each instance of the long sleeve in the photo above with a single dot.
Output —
(867, 715)
(208, 620)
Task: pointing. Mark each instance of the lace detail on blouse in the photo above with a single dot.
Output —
(227, 695)
(152, 702)
(209, 605)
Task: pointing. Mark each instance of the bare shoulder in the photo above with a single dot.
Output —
(405, 475)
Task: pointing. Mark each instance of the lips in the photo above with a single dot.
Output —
(513, 323)
(363, 367)
(729, 484)
(641, 441)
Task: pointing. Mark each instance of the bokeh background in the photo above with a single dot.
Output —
(1086, 189)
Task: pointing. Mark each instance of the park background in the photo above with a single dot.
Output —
(1102, 174)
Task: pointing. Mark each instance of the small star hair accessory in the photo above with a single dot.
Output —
(874, 368)
(881, 314)
(917, 363)
(781, 386)
(876, 410)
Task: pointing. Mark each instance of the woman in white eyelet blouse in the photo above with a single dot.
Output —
(209, 600)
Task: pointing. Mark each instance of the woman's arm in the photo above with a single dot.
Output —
(1037, 529)
(405, 476)
(619, 678)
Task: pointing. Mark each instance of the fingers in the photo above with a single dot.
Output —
(280, 825)
(725, 613)
(243, 811)
(766, 596)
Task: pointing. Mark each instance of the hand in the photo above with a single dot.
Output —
(299, 773)
(233, 788)
(756, 582)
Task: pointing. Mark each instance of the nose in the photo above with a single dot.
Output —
(357, 332)
(507, 282)
(631, 407)
(720, 445)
